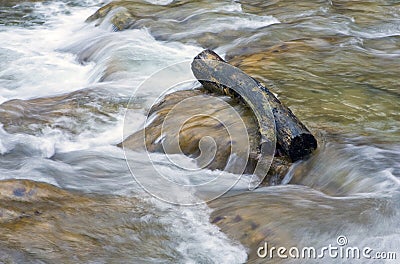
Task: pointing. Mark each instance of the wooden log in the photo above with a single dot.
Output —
(292, 137)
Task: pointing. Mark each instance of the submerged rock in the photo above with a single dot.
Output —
(40, 222)
(295, 216)
(157, 137)
(68, 112)
(184, 21)
(20, 13)
(201, 125)
(123, 14)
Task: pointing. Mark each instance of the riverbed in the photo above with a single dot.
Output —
(67, 193)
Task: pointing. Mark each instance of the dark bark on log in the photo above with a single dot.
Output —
(293, 138)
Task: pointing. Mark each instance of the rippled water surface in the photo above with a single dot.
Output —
(66, 192)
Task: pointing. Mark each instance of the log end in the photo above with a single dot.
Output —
(302, 146)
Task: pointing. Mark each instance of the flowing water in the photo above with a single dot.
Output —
(335, 63)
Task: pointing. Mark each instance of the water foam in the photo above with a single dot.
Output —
(33, 66)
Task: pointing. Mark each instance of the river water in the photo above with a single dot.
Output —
(334, 63)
